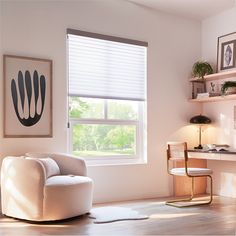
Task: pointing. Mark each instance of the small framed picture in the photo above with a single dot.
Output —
(226, 52)
(198, 88)
(27, 97)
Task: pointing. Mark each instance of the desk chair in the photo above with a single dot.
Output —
(177, 151)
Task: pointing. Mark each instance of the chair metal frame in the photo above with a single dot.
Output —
(190, 199)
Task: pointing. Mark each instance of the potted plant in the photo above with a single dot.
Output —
(228, 87)
(201, 68)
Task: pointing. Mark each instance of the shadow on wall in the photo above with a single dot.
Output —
(222, 132)
(190, 134)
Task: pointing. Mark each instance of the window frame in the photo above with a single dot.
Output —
(141, 123)
(139, 137)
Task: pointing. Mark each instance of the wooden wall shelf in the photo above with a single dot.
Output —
(217, 76)
(215, 99)
(221, 75)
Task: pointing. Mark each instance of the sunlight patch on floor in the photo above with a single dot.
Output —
(156, 203)
(169, 216)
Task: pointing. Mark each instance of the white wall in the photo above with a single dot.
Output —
(38, 29)
(221, 112)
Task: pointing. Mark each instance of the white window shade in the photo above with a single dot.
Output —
(103, 68)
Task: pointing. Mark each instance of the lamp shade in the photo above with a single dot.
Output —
(200, 119)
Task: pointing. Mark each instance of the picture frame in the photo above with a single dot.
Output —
(27, 97)
(198, 87)
(226, 52)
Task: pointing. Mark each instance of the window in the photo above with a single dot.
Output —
(107, 92)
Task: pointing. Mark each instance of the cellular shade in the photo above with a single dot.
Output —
(106, 68)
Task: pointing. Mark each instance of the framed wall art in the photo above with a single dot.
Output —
(27, 97)
(226, 52)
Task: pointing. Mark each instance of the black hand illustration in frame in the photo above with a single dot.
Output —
(25, 84)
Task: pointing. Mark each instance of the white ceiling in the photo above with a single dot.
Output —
(195, 9)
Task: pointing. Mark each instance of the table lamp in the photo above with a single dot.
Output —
(200, 120)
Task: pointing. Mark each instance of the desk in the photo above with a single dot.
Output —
(212, 155)
(198, 158)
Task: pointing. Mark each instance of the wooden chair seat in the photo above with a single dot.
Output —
(191, 171)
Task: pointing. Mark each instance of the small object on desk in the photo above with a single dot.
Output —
(221, 145)
(212, 150)
(223, 150)
(210, 146)
(217, 150)
(217, 147)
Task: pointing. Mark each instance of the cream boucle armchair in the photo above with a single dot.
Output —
(44, 187)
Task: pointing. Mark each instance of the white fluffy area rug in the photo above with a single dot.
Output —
(111, 214)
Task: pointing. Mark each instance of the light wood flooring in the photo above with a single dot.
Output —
(219, 218)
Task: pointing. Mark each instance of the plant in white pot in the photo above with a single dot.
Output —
(228, 87)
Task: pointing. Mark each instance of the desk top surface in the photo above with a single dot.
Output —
(209, 151)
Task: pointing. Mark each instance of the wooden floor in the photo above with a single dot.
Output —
(219, 218)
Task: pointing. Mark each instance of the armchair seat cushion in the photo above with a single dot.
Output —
(191, 171)
(77, 189)
(66, 180)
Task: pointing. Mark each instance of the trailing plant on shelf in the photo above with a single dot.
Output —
(227, 87)
(201, 68)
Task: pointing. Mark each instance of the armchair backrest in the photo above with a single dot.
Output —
(67, 163)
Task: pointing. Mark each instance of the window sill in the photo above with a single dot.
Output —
(114, 162)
